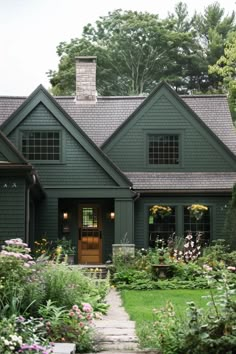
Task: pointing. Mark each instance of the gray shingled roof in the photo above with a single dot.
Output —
(100, 120)
(182, 180)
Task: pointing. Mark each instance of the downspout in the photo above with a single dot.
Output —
(137, 196)
(28, 208)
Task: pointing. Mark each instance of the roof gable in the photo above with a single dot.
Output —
(8, 152)
(164, 90)
(40, 95)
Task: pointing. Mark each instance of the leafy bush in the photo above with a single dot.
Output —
(18, 334)
(210, 331)
(69, 326)
(66, 286)
(13, 278)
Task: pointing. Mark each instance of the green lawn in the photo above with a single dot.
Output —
(139, 304)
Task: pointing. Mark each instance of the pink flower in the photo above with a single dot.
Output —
(75, 308)
(233, 269)
(87, 307)
(71, 314)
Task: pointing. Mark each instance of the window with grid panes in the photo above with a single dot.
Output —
(193, 226)
(163, 149)
(161, 228)
(41, 145)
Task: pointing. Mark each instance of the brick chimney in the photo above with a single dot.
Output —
(86, 80)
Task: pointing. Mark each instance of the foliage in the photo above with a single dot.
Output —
(197, 210)
(13, 278)
(67, 286)
(207, 330)
(224, 67)
(136, 50)
(19, 334)
(161, 210)
(42, 247)
(230, 221)
(66, 246)
(69, 326)
(29, 292)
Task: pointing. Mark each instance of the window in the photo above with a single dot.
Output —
(89, 218)
(161, 227)
(41, 145)
(163, 149)
(192, 225)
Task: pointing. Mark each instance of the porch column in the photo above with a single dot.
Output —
(124, 225)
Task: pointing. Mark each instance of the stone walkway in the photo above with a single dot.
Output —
(115, 333)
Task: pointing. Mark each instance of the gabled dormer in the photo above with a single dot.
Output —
(165, 134)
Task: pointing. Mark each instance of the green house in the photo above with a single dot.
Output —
(90, 168)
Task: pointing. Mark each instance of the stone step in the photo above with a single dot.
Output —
(111, 346)
(64, 348)
(115, 331)
(114, 324)
(119, 339)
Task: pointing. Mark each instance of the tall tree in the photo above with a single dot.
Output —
(213, 28)
(135, 51)
(225, 68)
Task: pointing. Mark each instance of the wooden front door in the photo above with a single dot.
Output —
(90, 234)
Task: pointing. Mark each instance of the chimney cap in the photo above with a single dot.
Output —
(87, 58)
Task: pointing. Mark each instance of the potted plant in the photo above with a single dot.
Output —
(197, 210)
(161, 210)
(66, 249)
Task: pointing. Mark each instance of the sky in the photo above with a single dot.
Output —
(30, 31)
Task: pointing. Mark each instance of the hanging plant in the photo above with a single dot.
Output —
(161, 210)
(197, 210)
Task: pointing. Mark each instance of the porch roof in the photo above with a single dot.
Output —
(184, 181)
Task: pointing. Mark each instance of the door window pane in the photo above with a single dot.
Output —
(89, 218)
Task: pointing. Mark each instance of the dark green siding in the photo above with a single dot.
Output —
(12, 207)
(142, 206)
(2, 157)
(78, 167)
(200, 152)
(47, 219)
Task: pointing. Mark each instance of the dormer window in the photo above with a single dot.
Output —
(163, 149)
(41, 145)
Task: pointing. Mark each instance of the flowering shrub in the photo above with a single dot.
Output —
(74, 325)
(18, 249)
(18, 335)
(41, 247)
(197, 210)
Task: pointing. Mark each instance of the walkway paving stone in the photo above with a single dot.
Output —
(116, 332)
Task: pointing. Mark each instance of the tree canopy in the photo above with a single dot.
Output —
(136, 50)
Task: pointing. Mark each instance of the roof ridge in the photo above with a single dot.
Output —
(13, 97)
(201, 95)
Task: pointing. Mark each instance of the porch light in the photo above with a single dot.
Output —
(65, 216)
(112, 215)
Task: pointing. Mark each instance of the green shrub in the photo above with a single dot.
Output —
(66, 286)
(13, 279)
(207, 331)
(69, 326)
